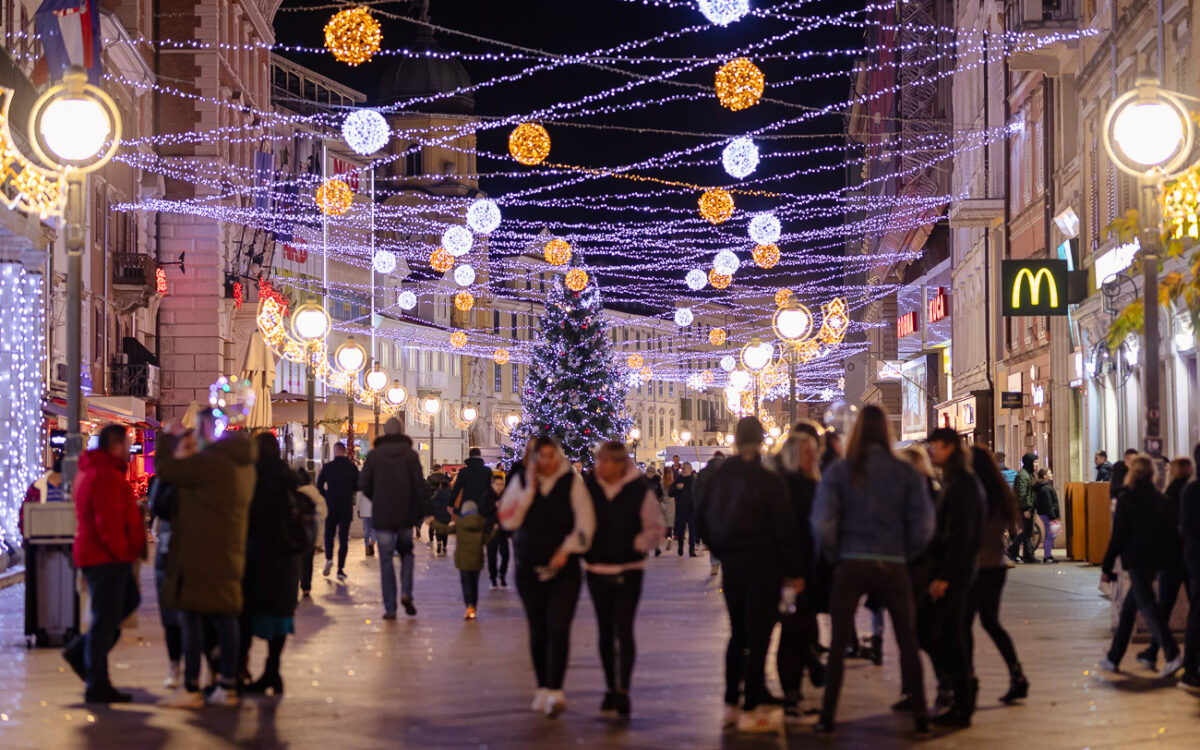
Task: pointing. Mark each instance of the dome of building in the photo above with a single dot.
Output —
(409, 77)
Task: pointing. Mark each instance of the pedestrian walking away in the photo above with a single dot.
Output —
(1189, 530)
(309, 489)
(700, 487)
(338, 482)
(391, 479)
(551, 513)
(628, 526)
(110, 535)
(1174, 573)
(163, 496)
(471, 531)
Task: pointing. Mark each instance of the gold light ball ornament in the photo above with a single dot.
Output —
(557, 252)
(782, 296)
(716, 205)
(464, 301)
(766, 256)
(636, 361)
(718, 280)
(334, 197)
(707, 377)
(500, 356)
(577, 279)
(353, 36)
(529, 143)
(716, 336)
(458, 339)
(646, 373)
(739, 84)
(441, 260)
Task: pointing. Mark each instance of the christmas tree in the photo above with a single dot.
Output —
(575, 390)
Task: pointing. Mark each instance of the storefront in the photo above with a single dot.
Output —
(923, 330)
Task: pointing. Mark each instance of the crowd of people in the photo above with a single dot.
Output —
(926, 533)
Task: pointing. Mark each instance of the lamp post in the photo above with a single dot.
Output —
(396, 394)
(310, 323)
(77, 127)
(1148, 133)
(468, 415)
(755, 356)
(793, 324)
(431, 405)
(350, 357)
(376, 381)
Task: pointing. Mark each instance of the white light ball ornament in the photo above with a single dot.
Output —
(365, 131)
(483, 216)
(683, 317)
(457, 240)
(696, 279)
(464, 275)
(765, 229)
(728, 363)
(1149, 133)
(406, 300)
(740, 157)
(726, 262)
(739, 379)
(384, 261)
(724, 12)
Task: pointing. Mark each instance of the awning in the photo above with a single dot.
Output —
(102, 409)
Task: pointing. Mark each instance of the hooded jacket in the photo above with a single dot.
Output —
(473, 481)
(628, 523)
(1045, 502)
(206, 558)
(109, 526)
(472, 534)
(393, 480)
(550, 514)
(1023, 484)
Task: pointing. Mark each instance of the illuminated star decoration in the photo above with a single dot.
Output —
(740, 158)
(365, 131)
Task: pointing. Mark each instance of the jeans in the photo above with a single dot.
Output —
(616, 600)
(890, 581)
(942, 626)
(685, 522)
(1047, 538)
(114, 595)
(499, 546)
(752, 598)
(391, 541)
(339, 522)
(470, 587)
(368, 532)
(549, 609)
(1170, 579)
(193, 624)
(1140, 598)
(984, 600)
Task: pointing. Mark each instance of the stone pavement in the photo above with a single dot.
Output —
(435, 681)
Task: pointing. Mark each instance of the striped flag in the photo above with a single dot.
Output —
(70, 34)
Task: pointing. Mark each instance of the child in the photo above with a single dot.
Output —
(468, 551)
(442, 500)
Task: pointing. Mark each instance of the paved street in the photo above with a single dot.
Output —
(435, 681)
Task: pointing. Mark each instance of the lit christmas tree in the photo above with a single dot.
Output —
(575, 390)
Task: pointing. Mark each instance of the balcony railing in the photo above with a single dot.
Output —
(134, 380)
(1030, 15)
(133, 269)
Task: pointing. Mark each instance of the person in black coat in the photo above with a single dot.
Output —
(1140, 526)
(1104, 469)
(1116, 482)
(498, 547)
(1189, 529)
(954, 555)
(1174, 572)
(337, 482)
(685, 522)
(272, 578)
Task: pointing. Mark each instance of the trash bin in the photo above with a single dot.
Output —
(51, 599)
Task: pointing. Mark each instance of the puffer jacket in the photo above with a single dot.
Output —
(472, 534)
(393, 480)
(109, 525)
(209, 517)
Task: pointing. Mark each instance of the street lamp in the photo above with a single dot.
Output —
(376, 380)
(685, 437)
(77, 127)
(396, 394)
(793, 324)
(310, 324)
(755, 356)
(431, 405)
(350, 358)
(1148, 133)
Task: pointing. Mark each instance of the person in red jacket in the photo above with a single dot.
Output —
(110, 535)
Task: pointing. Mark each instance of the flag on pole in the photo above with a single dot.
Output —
(70, 34)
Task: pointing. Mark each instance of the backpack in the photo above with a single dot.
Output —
(300, 531)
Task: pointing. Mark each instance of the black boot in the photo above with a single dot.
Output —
(1018, 686)
(874, 652)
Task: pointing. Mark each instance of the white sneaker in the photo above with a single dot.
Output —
(173, 674)
(223, 697)
(732, 714)
(183, 699)
(761, 720)
(539, 700)
(556, 703)
(328, 567)
(1107, 665)
(1172, 666)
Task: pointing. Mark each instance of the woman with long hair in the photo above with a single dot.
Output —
(984, 597)
(551, 512)
(1174, 571)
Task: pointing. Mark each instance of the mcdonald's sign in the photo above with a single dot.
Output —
(1034, 287)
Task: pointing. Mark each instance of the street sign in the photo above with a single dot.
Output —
(1034, 287)
(1119, 292)
(1011, 400)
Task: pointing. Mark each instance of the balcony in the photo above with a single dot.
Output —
(976, 212)
(1038, 22)
(134, 280)
(134, 380)
(432, 381)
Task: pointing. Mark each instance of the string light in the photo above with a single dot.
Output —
(726, 263)
(724, 12)
(740, 158)
(557, 252)
(716, 337)
(716, 205)
(577, 279)
(529, 143)
(457, 240)
(765, 229)
(464, 301)
(464, 275)
(458, 339)
(384, 261)
(353, 36)
(483, 216)
(441, 261)
(21, 382)
(739, 84)
(766, 256)
(719, 280)
(365, 131)
(334, 197)
(782, 296)
(683, 317)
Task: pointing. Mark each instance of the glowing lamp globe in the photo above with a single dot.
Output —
(740, 158)
(685, 436)
(724, 12)
(728, 363)
(765, 229)
(406, 300)
(635, 433)
(775, 431)
(695, 279)
(1149, 133)
(396, 394)
(739, 379)
(726, 263)
(74, 128)
(739, 84)
(441, 260)
(464, 275)
(512, 420)
(384, 261)
(469, 414)
(577, 279)
(310, 322)
(483, 216)
(431, 405)
(529, 143)
(683, 317)
(464, 301)
(458, 339)
(365, 131)
(716, 336)
(353, 36)
(794, 323)
(757, 354)
(716, 205)
(719, 280)
(636, 361)
(376, 379)
(350, 356)
(557, 252)
(500, 356)
(765, 256)
(457, 240)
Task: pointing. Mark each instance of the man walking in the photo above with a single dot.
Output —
(702, 479)
(337, 482)
(110, 536)
(392, 479)
(471, 483)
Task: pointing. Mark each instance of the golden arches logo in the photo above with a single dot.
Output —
(1035, 287)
